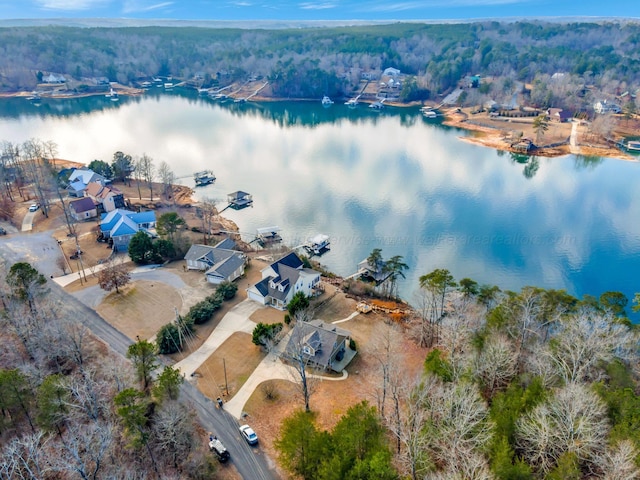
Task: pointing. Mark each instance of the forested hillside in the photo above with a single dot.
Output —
(315, 61)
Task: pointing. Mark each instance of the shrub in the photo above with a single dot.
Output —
(264, 333)
(352, 344)
(202, 311)
(168, 339)
(227, 290)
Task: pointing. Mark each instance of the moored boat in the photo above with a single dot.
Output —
(326, 101)
(633, 145)
(318, 244)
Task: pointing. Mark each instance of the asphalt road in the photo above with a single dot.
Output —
(250, 462)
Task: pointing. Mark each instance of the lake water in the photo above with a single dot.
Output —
(391, 180)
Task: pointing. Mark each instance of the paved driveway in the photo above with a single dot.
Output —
(236, 320)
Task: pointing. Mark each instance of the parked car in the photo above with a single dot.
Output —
(2, 231)
(248, 434)
(34, 207)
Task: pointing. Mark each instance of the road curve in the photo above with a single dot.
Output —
(250, 462)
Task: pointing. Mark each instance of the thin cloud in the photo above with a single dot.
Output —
(403, 6)
(136, 6)
(317, 6)
(69, 5)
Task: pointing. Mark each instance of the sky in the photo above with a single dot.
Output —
(324, 10)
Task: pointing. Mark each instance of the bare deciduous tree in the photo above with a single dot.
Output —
(114, 275)
(26, 457)
(173, 428)
(497, 364)
(573, 420)
(84, 449)
(618, 462)
(297, 354)
(167, 177)
(584, 342)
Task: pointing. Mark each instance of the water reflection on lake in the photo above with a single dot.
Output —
(368, 179)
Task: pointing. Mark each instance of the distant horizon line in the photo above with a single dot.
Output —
(140, 22)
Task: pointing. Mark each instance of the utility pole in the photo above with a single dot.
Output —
(226, 385)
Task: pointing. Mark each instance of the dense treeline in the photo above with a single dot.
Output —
(534, 384)
(314, 61)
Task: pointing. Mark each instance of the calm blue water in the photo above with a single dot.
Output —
(388, 180)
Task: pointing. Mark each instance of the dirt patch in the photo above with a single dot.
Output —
(331, 399)
(141, 308)
(494, 133)
(239, 357)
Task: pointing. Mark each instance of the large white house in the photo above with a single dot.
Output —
(282, 280)
(606, 107)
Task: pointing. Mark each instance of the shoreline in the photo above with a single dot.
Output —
(485, 136)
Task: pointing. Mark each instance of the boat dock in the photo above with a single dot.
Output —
(238, 200)
(203, 178)
(268, 236)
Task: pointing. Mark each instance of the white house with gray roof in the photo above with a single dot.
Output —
(282, 280)
(220, 263)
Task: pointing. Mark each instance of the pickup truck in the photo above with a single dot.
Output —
(219, 449)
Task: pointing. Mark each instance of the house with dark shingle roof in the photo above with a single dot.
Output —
(319, 345)
(282, 280)
(83, 209)
(220, 263)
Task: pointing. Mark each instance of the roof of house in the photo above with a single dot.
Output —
(77, 186)
(124, 226)
(323, 338)
(226, 243)
(85, 175)
(263, 287)
(100, 192)
(222, 261)
(290, 260)
(288, 270)
(110, 220)
(81, 205)
(226, 267)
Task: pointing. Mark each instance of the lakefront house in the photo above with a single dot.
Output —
(282, 280)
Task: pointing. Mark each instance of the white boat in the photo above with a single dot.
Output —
(633, 145)
(168, 85)
(352, 103)
(429, 113)
(204, 178)
(113, 95)
(326, 101)
(318, 244)
(379, 105)
(203, 91)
